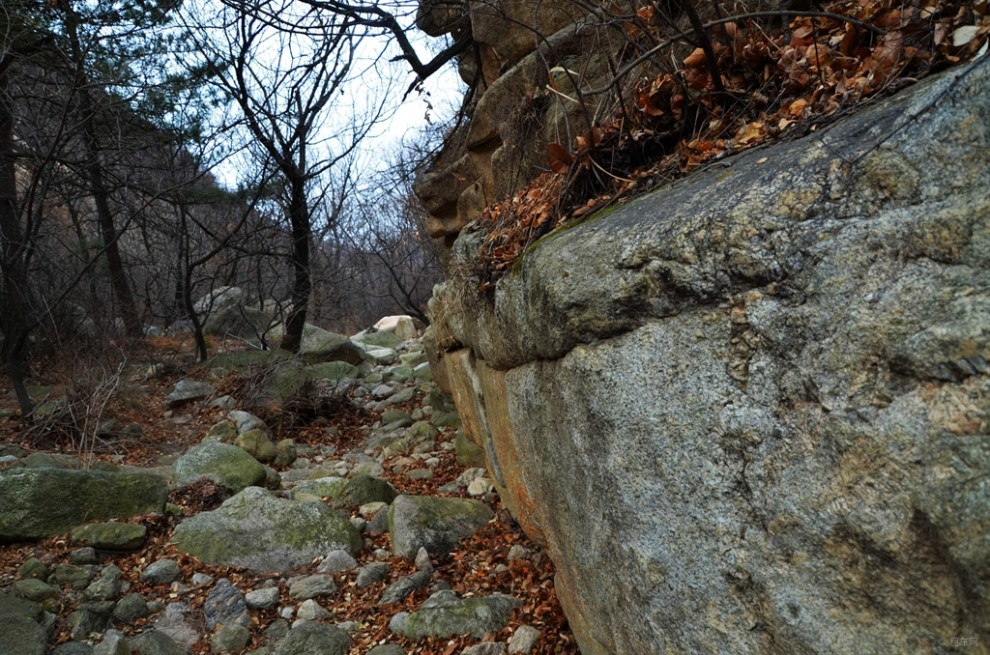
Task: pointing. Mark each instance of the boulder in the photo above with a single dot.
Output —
(434, 523)
(771, 380)
(261, 532)
(238, 321)
(189, 390)
(37, 503)
(403, 327)
(319, 345)
(445, 614)
(155, 642)
(347, 492)
(228, 465)
(257, 444)
(23, 627)
(218, 299)
(311, 638)
(110, 536)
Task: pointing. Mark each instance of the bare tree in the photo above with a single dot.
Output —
(287, 67)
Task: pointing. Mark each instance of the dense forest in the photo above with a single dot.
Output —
(119, 119)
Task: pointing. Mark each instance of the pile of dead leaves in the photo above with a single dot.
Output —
(773, 83)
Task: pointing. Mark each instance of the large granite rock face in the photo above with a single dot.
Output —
(749, 412)
(42, 502)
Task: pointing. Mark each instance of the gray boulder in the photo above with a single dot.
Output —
(444, 614)
(436, 524)
(319, 345)
(770, 379)
(228, 465)
(311, 638)
(239, 321)
(189, 390)
(261, 532)
(155, 642)
(23, 628)
(348, 492)
(37, 503)
(110, 536)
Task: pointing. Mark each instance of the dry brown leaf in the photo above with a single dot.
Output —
(560, 159)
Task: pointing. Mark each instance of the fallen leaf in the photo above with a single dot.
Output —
(963, 35)
(560, 159)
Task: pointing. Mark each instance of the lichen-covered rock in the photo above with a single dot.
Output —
(311, 638)
(189, 390)
(261, 532)
(229, 465)
(434, 523)
(771, 380)
(257, 444)
(347, 492)
(110, 536)
(444, 614)
(36, 503)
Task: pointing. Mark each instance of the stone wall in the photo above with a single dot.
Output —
(750, 412)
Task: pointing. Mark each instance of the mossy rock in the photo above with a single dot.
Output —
(263, 533)
(229, 465)
(434, 523)
(444, 615)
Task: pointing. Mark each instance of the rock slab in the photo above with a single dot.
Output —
(37, 503)
(256, 530)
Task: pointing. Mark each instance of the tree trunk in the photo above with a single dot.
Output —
(101, 195)
(14, 313)
(302, 284)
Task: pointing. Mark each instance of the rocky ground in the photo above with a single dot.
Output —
(311, 507)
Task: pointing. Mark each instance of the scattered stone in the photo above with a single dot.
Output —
(262, 599)
(223, 463)
(174, 624)
(88, 619)
(73, 648)
(225, 605)
(480, 487)
(34, 589)
(523, 640)
(312, 586)
(114, 643)
(130, 608)
(107, 585)
(84, 555)
(257, 444)
(277, 630)
(337, 561)
(157, 642)
(311, 610)
(163, 571)
(401, 588)
(224, 432)
(433, 523)
(311, 638)
(189, 390)
(201, 580)
(444, 614)
(485, 648)
(518, 551)
(76, 576)
(37, 503)
(420, 474)
(285, 453)
(422, 561)
(230, 639)
(246, 421)
(34, 568)
(23, 629)
(261, 532)
(371, 573)
(110, 536)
